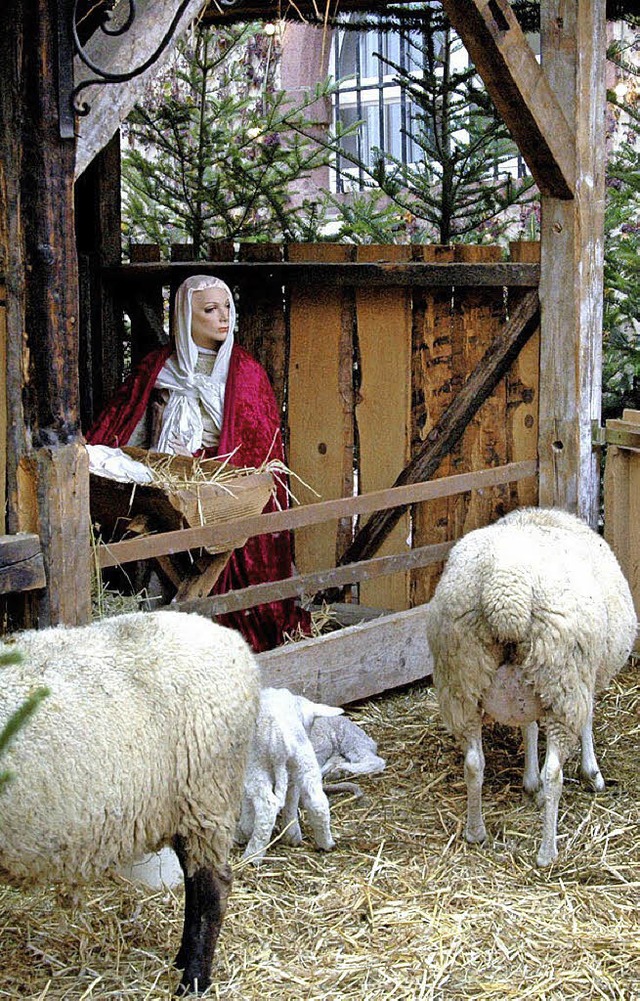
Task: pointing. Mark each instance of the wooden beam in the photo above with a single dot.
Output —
(381, 273)
(519, 89)
(480, 384)
(353, 663)
(47, 475)
(310, 583)
(21, 563)
(574, 56)
(54, 503)
(218, 538)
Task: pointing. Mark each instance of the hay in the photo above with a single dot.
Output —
(403, 908)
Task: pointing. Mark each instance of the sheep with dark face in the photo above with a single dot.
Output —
(141, 742)
(532, 615)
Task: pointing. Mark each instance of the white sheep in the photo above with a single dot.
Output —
(343, 748)
(283, 773)
(532, 615)
(142, 742)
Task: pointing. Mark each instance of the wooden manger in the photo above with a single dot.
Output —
(187, 493)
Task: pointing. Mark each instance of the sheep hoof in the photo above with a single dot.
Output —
(328, 846)
(292, 837)
(593, 780)
(476, 835)
(545, 857)
(531, 786)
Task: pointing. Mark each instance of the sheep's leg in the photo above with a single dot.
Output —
(246, 821)
(290, 821)
(265, 807)
(551, 791)
(205, 902)
(589, 768)
(531, 776)
(308, 778)
(474, 776)
(316, 804)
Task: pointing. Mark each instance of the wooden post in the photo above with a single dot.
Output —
(98, 228)
(573, 57)
(38, 242)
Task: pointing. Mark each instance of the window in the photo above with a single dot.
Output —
(368, 93)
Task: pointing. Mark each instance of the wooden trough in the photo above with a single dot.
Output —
(188, 493)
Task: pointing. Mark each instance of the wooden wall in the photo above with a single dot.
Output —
(364, 375)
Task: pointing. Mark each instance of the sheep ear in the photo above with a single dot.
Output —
(321, 710)
(311, 710)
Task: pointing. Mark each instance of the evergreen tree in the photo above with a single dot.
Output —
(457, 181)
(215, 146)
(621, 369)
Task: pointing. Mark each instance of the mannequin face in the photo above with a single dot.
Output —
(209, 317)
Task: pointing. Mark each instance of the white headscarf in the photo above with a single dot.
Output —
(182, 420)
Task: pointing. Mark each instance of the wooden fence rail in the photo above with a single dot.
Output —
(367, 348)
(622, 497)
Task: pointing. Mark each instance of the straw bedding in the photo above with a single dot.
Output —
(403, 908)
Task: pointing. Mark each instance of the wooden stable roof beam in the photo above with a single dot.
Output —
(519, 89)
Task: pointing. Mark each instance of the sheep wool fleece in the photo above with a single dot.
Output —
(545, 582)
(144, 736)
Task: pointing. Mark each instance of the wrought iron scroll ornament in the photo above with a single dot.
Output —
(70, 46)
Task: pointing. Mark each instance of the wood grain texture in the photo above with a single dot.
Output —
(21, 564)
(573, 34)
(383, 409)
(353, 663)
(432, 386)
(316, 414)
(534, 114)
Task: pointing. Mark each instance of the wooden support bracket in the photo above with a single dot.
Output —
(519, 89)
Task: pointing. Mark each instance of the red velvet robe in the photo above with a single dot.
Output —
(250, 421)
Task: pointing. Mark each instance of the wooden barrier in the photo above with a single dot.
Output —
(366, 349)
(622, 498)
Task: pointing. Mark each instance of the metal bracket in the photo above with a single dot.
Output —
(70, 46)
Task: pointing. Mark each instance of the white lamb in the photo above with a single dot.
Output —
(142, 742)
(283, 773)
(343, 748)
(531, 617)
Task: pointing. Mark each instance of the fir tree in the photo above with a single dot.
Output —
(215, 146)
(457, 182)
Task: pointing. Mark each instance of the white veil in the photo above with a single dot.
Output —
(182, 421)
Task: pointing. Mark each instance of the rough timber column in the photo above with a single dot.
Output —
(47, 468)
(573, 60)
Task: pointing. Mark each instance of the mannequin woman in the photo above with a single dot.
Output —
(207, 396)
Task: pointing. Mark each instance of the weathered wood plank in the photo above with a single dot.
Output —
(3, 400)
(431, 390)
(478, 315)
(383, 408)
(330, 274)
(110, 105)
(261, 326)
(522, 384)
(99, 238)
(519, 89)
(21, 563)
(54, 495)
(479, 385)
(573, 34)
(220, 537)
(312, 583)
(145, 308)
(316, 417)
(353, 663)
